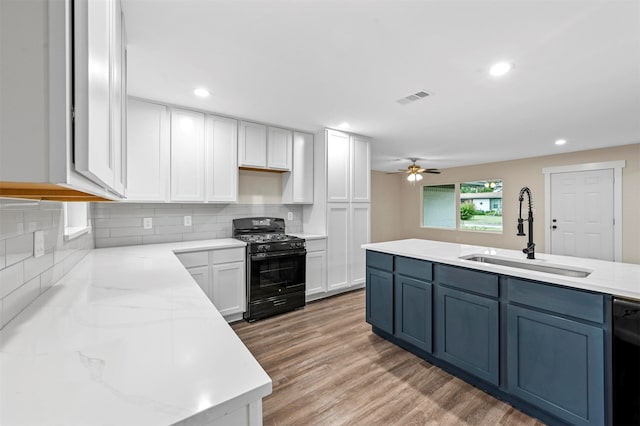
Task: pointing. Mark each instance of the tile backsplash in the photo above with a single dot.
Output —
(121, 224)
(22, 276)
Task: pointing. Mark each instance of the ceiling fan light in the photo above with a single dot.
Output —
(411, 177)
(418, 177)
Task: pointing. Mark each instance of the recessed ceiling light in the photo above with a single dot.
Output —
(201, 92)
(500, 68)
(561, 141)
(344, 125)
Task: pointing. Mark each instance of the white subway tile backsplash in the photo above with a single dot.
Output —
(15, 302)
(3, 262)
(10, 279)
(36, 265)
(23, 277)
(209, 221)
(19, 248)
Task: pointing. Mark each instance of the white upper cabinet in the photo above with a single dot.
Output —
(279, 149)
(337, 166)
(98, 97)
(297, 186)
(262, 147)
(360, 170)
(221, 146)
(187, 156)
(252, 145)
(147, 151)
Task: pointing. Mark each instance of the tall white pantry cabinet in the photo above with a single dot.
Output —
(341, 209)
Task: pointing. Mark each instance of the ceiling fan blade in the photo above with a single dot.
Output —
(421, 170)
(433, 171)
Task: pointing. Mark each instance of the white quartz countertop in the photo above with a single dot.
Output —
(618, 279)
(309, 236)
(126, 338)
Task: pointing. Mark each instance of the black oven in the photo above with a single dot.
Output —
(276, 283)
(276, 265)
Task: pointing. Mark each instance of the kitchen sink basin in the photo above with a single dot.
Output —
(530, 265)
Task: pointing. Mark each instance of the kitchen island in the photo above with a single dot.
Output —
(127, 337)
(538, 340)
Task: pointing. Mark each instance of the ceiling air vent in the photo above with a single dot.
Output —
(413, 97)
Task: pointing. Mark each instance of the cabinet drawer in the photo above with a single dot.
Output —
(228, 255)
(379, 260)
(195, 258)
(565, 301)
(467, 279)
(316, 245)
(420, 269)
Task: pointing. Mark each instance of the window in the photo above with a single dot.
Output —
(439, 206)
(76, 220)
(467, 206)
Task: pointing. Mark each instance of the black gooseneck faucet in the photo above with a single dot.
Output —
(530, 251)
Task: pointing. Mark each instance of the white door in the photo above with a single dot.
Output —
(201, 276)
(337, 245)
(222, 159)
(360, 170)
(94, 151)
(252, 145)
(297, 186)
(337, 166)
(582, 214)
(359, 226)
(316, 280)
(279, 149)
(147, 151)
(187, 155)
(228, 287)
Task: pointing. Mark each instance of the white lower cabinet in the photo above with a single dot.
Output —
(360, 218)
(221, 275)
(316, 271)
(201, 275)
(337, 245)
(228, 288)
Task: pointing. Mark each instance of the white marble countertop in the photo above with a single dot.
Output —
(126, 337)
(618, 279)
(308, 236)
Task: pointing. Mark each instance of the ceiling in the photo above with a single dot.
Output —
(309, 64)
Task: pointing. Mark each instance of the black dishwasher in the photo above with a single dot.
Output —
(626, 362)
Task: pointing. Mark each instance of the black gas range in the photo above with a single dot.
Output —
(276, 264)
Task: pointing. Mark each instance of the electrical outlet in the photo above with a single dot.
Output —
(38, 243)
(187, 221)
(290, 216)
(147, 223)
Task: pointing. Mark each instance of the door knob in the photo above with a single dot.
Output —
(554, 227)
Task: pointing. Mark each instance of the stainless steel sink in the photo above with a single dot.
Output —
(549, 268)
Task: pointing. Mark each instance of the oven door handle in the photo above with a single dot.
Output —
(283, 254)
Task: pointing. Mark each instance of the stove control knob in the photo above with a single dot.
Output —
(263, 247)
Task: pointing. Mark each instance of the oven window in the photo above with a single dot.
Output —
(271, 276)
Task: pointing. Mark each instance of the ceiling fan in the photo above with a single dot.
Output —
(414, 171)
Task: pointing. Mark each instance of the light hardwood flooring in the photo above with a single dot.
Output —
(328, 368)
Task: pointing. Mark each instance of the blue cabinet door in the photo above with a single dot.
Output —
(379, 290)
(556, 364)
(413, 311)
(467, 332)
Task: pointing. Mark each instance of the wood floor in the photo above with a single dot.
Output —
(328, 368)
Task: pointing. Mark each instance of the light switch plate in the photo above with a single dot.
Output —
(187, 221)
(147, 223)
(38, 243)
(290, 216)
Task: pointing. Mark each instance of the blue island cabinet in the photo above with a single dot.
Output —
(556, 346)
(413, 302)
(379, 291)
(468, 321)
